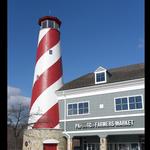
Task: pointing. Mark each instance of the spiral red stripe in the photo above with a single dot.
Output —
(48, 41)
(51, 121)
(49, 77)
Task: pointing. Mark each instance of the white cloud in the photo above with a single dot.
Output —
(15, 97)
(141, 44)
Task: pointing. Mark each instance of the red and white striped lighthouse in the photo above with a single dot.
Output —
(44, 111)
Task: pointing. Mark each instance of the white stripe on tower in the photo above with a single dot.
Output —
(46, 60)
(44, 111)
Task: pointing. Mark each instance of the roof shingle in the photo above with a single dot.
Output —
(124, 73)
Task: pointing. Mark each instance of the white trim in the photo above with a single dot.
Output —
(100, 69)
(78, 108)
(107, 130)
(128, 103)
(102, 89)
(104, 117)
(50, 141)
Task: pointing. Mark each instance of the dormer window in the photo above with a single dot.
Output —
(100, 75)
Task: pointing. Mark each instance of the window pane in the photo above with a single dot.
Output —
(132, 106)
(118, 101)
(69, 112)
(138, 105)
(118, 107)
(74, 106)
(138, 98)
(124, 100)
(86, 110)
(134, 146)
(50, 23)
(69, 106)
(131, 99)
(80, 111)
(75, 111)
(80, 105)
(44, 24)
(72, 109)
(124, 107)
(100, 77)
(85, 104)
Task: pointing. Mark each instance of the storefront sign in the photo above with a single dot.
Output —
(101, 124)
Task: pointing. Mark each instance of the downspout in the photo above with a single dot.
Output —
(65, 114)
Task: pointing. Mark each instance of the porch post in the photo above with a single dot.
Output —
(70, 144)
(103, 143)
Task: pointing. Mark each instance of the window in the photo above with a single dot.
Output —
(72, 109)
(83, 108)
(121, 104)
(128, 103)
(49, 24)
(78, 108)
(135, 102)
(100, 77)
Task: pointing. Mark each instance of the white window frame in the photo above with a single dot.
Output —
(128, 103)
(67, 109)
(104, 71)
(78, 108)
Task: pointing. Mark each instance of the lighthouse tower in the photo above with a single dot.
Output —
(43, 130)
(44, 111)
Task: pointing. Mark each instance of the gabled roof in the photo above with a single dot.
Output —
(124, 73)
(100, 69)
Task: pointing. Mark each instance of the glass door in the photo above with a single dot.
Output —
(123, 146)
(91, 146)
(134, 146)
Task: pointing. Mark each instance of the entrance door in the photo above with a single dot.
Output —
(134, 146)
(50, 146)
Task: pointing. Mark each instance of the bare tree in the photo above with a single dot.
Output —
(17, 121)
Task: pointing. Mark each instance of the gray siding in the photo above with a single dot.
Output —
(138, 123)
(106, 99)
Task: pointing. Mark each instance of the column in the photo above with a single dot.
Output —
(69, 144)
(103, 143)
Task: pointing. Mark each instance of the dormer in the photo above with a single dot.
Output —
(100, 75)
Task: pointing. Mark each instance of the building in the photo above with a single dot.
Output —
(104, 110)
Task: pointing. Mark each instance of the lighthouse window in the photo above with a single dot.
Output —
(44, 24)
(50, 52)
(49, 24)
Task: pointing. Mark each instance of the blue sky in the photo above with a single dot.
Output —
(108, 33)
